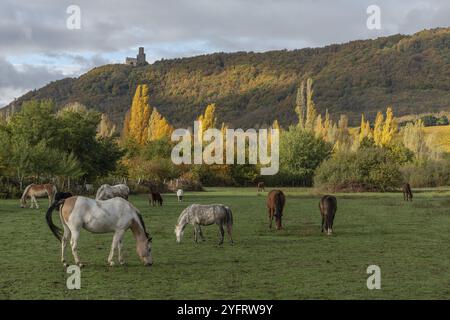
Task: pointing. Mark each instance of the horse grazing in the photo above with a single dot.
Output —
(155, 197)
(205, 215)
(180, 194)
(261, 186)
(275, 206)
(114, 215)
(38, 191)
(328, 207)
(106, 192)
(407, 193)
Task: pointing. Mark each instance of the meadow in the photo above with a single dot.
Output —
(409, 241)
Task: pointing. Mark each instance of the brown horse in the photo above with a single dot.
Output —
(155, 197)
(328, 207)
(38, 191)
(275, 206)
(407, 193)
(261, 186)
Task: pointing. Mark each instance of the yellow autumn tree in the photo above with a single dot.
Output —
(158, 127)
(136, 124)
(319, 128)
(327, 123)
(389, 128)
(300, 105)
(364, 130)
(311, 112)
(207, 120)
(378, 129)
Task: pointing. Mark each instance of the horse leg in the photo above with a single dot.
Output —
(323, 221)
(64, 240)
(34, 200)
(74, 244)
(201, 233)
(195, 233)
(115, 242)
(120, 246)
(270, 218)
(222, 233)
(229, 229)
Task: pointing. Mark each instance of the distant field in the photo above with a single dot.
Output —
(408, 241)
(441, 135)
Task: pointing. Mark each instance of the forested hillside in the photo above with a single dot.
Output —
(411, 73)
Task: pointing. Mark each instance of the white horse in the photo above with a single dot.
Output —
(205, 215)
(38, 191)
(106, 192)
(180, 194)
(114, 215)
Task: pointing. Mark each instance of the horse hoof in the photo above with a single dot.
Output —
(64, 264)
(80, 264)
(111, 263)
(122, 263)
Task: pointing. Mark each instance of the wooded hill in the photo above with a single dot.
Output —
(411, 73)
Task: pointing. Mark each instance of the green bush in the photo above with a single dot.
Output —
(368, 169)
(432, 173)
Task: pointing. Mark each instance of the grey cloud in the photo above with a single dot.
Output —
(174, 28)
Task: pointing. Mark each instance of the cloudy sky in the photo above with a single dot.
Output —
(37, 47)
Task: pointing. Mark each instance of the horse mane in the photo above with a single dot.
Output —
(182, 215)
(141, 220)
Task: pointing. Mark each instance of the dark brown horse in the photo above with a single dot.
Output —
(155, 197)
(407, 193)
(328, 207)
(275, 206)
(261, 186)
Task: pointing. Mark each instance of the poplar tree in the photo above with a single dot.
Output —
(136, 125)
(378, 129)
(389, 128)
(207, 120)
(311, 112)
(158, 127)
(300, 105)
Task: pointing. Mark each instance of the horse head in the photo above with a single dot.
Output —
(179, 230)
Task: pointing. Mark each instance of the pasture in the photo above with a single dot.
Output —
(408, 241)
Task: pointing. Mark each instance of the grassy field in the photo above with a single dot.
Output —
(408, 241)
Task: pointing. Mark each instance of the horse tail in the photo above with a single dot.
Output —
(55, 229)
(229, 218)
(24, 194)
(278, 204)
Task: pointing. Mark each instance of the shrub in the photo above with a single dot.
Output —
(368, 169)
(431, 173)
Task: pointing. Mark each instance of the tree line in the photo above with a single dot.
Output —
(76, 145)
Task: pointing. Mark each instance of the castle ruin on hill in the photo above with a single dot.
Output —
(139, 60)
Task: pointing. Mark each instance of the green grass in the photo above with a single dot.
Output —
(409, 241)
